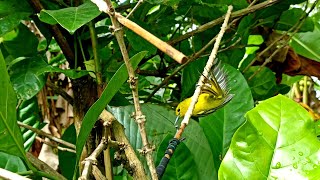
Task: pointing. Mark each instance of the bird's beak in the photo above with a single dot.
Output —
(177, 119)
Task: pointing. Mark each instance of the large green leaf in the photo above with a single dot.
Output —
(28, 75)
(71, 18)
(10, 135)
(159, 125)
(278, 141)
(28, 113)
(94, 111)
(220, 126)
(11, 163)
(307, 44)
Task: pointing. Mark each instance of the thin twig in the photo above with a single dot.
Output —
(54, 145)
(96, 58)
(294, 28)
(305, 90)
(190, 59)
(215, 22)
(135, 8)
(268, 60)
(42, 133)
(60, 91)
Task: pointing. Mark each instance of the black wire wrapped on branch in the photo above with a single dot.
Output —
(167, 155)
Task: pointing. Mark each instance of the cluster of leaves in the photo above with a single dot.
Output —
(216, 146)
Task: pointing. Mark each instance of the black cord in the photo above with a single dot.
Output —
(173, 143)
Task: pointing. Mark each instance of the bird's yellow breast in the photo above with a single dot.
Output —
(205, 103)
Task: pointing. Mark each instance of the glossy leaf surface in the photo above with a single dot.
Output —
(220, 126)
(277, 141)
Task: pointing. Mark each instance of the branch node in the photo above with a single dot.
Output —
(107, 123)
(146, 149)
(91, 160)
(132, 81)
(114, 29)
(140, 119)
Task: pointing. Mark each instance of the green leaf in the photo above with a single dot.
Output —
(140, 44)
(28, 75)
(263, 84)
(232, 57)
(254, 40)
(290, 17)
(220, 126)
(94, 111)
(317, 127)
(306, 44)
(278, 141)
(14, 6)
(10, 135)
(159, 125)
(28, 113)
(289, 80)
(190, 76)
(20, 42)
(239, 4)
(11, 163)
(71, 18)
(9, 22)
(172, 3)
(67, 160)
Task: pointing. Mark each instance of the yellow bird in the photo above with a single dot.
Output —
(214, 94)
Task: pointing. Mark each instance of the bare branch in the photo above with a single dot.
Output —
(43, 166)
(42, 133)
(135, 8)
(215, 22)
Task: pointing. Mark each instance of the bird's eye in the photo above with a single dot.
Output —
(178, 110)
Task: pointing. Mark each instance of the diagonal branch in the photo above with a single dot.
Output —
(42, 133)
(215, 22)
(177, 138)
